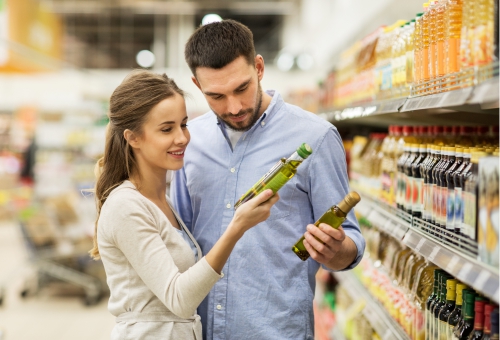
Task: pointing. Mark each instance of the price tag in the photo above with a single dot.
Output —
(481, 280)
(401, 232)
(457, 97)
(451, 265)
(420, 244)
(464, 271)
(434, 252)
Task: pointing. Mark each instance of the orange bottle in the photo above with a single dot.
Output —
(432, 39)
(424, 75)
(417, 55)
(453, 24)
(483, 32)
(440, 39)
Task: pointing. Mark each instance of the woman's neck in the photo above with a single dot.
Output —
(151, 184)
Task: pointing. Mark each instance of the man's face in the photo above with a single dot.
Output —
(233, 92)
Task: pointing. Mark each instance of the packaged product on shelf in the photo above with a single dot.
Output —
(450, 186)
(456, 314)
(488, 309)
(447, 308)
(418, 181)
(453, 25)
(488, 229)
(421, 292)
(438, 305)
(494, 325)
(478, 332)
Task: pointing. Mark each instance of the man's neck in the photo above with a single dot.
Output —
(266, 100)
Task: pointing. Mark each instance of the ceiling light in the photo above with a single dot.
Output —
(209, 18)
(285, 62)
(305, 61)
(145, 58)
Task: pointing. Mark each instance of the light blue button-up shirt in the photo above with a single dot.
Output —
(267, 291)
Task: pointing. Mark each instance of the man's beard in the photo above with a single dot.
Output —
(253, 112)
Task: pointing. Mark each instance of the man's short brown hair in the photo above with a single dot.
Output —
(217, 44)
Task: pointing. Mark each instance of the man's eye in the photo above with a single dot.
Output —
(242, 90)
(217, 97)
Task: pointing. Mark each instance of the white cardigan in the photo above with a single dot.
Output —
(154, 282)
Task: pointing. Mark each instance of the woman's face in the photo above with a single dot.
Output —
(164, 136)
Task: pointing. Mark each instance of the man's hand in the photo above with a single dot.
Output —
(334, 249)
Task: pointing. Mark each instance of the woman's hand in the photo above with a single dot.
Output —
(253, 212)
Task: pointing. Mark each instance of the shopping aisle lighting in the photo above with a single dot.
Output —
(285, 62)
(145, 58)
(305, 62)
(210, 18)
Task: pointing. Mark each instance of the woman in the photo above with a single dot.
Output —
(155, 269)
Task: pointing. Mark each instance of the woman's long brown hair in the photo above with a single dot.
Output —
(129, 106)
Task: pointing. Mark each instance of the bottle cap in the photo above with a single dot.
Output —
(436, 130)
(481, 130)
(447, 130)
(407, 130)
(451, 286)
(487, 317)
(465, 130)
(350, 200)
(304, 150)
(454, 130)
(459, 288)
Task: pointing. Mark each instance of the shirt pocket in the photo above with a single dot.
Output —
(286, 203)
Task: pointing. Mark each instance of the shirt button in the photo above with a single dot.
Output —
(219, 307)
(263, 123)
(228, 206)
(233, 169)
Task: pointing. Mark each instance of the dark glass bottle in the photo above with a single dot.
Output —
(456, 314)
(487, 322)
(407, 206)
(477, 332)
(447, 308)
(438, 305)
(418, 181)
(427, 213)
(468, 324)
(494, 325)
(443, 187)
(466, 294)
(433, 182)
(459, 194)
(431, 300)
(400, 177)
(450, 183)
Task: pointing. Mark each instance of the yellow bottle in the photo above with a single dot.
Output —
(432, 12)
(417, 55)
(410, 49)
(333, 217)
(425, 76)
(483, 32)
(439, 57)
(467, 38)
(453, 24)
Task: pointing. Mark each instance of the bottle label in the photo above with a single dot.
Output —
(457, 222)
(425, 199)
(443, 327)
(434, 202)
(418, 199)
(450, 210)
(408, 190)
(443, 202)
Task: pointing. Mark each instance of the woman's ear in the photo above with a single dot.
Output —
(131, 138)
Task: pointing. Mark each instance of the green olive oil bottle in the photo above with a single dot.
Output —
(279, 174)
(333, 217)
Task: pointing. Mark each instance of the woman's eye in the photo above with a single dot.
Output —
(184, 126)
(166, 130)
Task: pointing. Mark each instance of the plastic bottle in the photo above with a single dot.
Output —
(453, 23)
(483, 32)
(467, 36)
(432, 12)
(425, 76)
(410, 54)
(417, 54)
(439, 56)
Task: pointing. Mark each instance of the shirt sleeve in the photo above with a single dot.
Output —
(136, 234)
(180, 198)
(329, 184)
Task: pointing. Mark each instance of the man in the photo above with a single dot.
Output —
(266, 291)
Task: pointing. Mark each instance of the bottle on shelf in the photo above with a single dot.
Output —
(477, 332)
(439, 54)
(467, 36)
(488, 308)
(447, 309)
(333, 217)
(421, 289)
(483, 49)
(494, 325)
(432, 13)
(466, 324)
(449, 159)
(410, 53)
(425, 76)
(418, 181)
(417, 54)
(408, 179)
(453, 24)
(470, 196)
(430, 164)
(450, 184)
(441, 302)
(278, 175)
(456, 314)
(459, 178)
(434, 188)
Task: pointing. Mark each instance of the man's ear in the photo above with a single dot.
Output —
(131, 138)
(259, 66)
(195, 81)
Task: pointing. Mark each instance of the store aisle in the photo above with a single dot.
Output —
(46, 316)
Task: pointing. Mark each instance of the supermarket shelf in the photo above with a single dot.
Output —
(475, 95)
(375, 313)
(458, 260)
